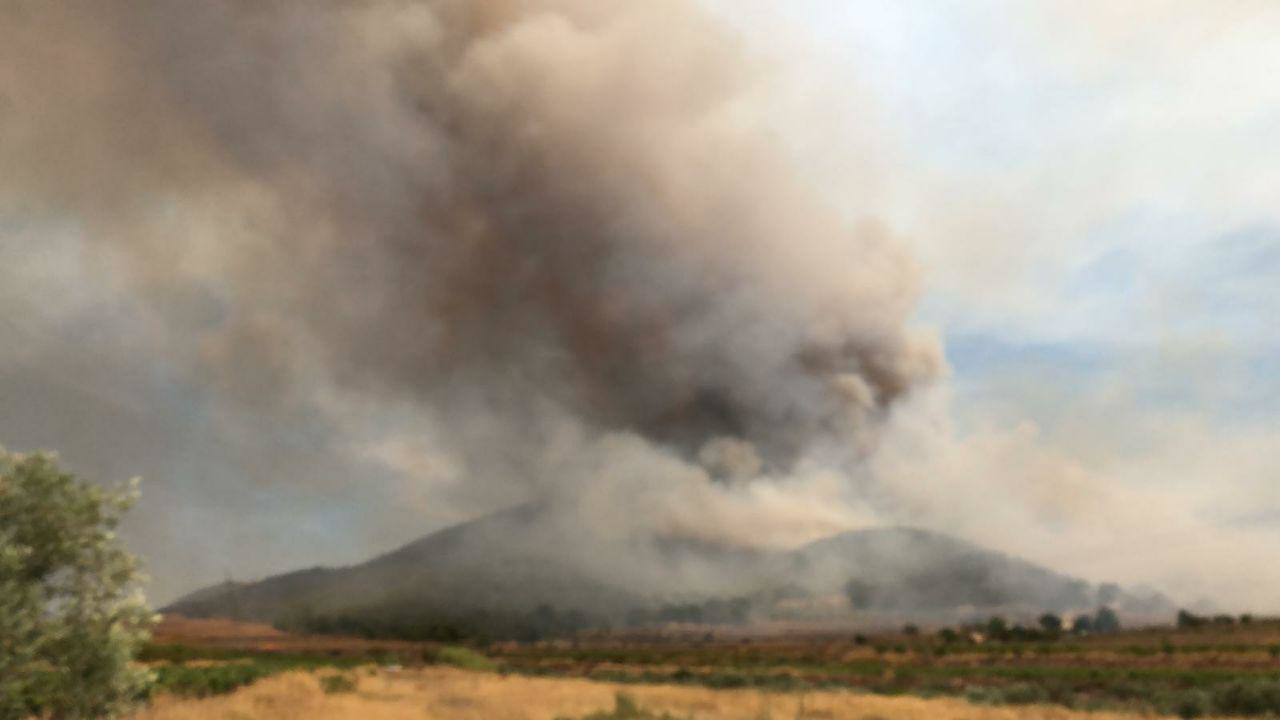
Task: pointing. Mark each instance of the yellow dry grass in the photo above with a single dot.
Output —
(449, 694)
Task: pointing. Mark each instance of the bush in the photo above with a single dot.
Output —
(1192, 704)
(234, 669)
(1106, 621)
(1188, 620)
(1248, 698)
(1025, 694)
(626, 708)
(71, 617)
(465, 658)
(207, 680)
(1051, 623)
(726, 681)
(334, 684)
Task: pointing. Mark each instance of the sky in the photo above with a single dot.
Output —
(1091, 191)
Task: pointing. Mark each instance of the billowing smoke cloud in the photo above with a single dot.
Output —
(330, 275)
(554, 232)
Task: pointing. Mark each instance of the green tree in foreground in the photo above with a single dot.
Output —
(71, 616)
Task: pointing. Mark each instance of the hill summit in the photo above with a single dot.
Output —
(521, 573)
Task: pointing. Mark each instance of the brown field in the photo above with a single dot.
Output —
(696, 673)
(235, 635)
(450, 694)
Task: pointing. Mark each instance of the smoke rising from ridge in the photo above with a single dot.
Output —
(334, 275)
(539, 223)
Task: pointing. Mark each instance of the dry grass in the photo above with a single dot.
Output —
(175, 628)
(451, 694)
(237, 635)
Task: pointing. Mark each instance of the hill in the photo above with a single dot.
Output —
(521, 573)
(917, 573)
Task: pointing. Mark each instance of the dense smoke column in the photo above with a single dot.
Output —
(499, 210)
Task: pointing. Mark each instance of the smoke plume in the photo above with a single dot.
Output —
(555, 235)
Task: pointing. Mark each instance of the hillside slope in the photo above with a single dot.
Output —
(513, 566)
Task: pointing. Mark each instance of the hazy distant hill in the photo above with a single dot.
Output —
(505, 571)
(449, 577)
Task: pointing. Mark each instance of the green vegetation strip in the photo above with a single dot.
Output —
(217, 671)
(1184, 692)
(202, 672)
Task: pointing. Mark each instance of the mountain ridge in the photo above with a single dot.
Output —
(518, 566)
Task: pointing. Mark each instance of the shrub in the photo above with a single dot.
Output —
(1106, 621)
(235, 670)
(1188, 620)
(1051, 623)
(1192, 704)
(334, 684)
(1025, 694)
(625, 707)
(465, 658)
(1016, 694)
(1248, 698)
(725, 681)
(71, 617)
(207, 680)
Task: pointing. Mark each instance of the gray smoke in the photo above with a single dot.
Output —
(518, 222)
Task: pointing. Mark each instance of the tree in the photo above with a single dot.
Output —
(71, 616)
(1082, 625)
(1050, 623)
(997, 628)
(1106, 620)
(1188, 619)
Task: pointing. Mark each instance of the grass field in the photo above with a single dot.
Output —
(1188, 673)
(1203, 672)
(454, 694)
